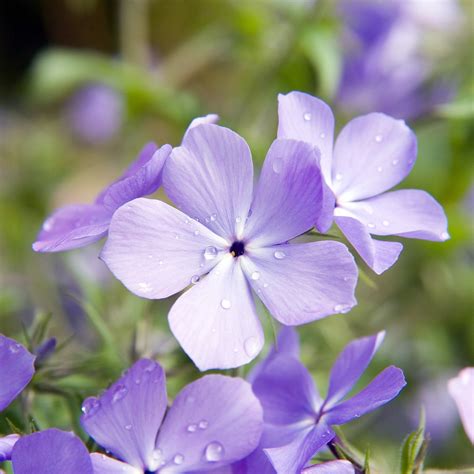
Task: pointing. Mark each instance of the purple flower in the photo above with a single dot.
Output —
(16, 370)
(372, 154)
(297, 421)
(95, 113)
(77, 225)
(226, 241)
(51, 451)
(330, 467)
(212, 423)
(461, 388)
(6, 446)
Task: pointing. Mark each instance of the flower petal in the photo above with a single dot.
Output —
(381, 390)
(406, 212)
(300, 283)
(330, 467)
(372, 154)
(156, 250)
(461, 388)
(52, 451)
(304, 117)
(103, 464)
(289, 194)
(350, 365)
(287, 393)
(6, 446)
(209, 118)
(213, 421)
(71, 227)
(210, 177)
(378, 254)
(16, 370)
(291, 458)
(141, 179)
(126, 417)
(215, 321)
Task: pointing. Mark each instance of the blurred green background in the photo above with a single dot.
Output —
(85, 83)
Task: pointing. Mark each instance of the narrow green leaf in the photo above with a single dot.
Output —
(414, 446)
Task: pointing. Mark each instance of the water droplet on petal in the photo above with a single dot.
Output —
(338, 177)
(156, 454)
(265, 285)
(322, 135)
(444, 236)
(203, 424)
(357, 415)
(186, 221)
(386, 223)
(238, 220)
(214, 451)
(255, 275)
(196, 233)
(213, 217)
(394, 162)
(195, 279)
(378, 138)
(307, 116)
(144, 287)
(276, 165)
(251, 346)
(160, 262)
(150, 367)
(128, 427)
(119, 392)
(178, 459)
(91, 406)
(342, 308)
(371, 225)
(379, 169)
(192, 428)
(226, 304)
(279, 254)
(210, 253)
(14, 347)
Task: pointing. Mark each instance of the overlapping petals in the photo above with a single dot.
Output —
(213, 422)
(75, 226)
(51, 451)
(461, 388)
(372, 154)
(16, 369)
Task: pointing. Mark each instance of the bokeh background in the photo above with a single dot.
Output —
(84, 84)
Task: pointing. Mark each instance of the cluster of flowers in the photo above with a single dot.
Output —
(222, 241)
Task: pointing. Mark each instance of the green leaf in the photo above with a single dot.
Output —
(367, 461)
(414, 449)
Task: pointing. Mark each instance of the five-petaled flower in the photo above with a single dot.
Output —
(297, 421)
(372, 154)
(213, 422)
(225, 240)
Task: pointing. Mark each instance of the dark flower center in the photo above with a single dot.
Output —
(237, 248)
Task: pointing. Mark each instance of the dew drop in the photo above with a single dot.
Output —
(322, 135)
(342, 308)
(394, 162)
(160, 262)
(128, 427)
(371, 225)
(214, 451)
(156, 454)
(213, 217)
(226, 304)
(14, 348)
(178, 459)
(251, 346)
(150, 367)
(119, 392)
(378, 138)
(307, 116)
(176, 236)
(144, 287)
(192, 428)
(186, 221)
(203, 424)
(386, 223)
(196, 233)
(210, 253)
(338, 177)
(265, 285)
(238, 220)
(91, 406)
(48, 224)
(379, 169)
(279, 255)
(276, 165)
(444, 236)
(195, 279)
(357, 415)
(255, 275)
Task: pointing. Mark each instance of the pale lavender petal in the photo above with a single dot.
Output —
(51, 451)
(215, 321)
(156, 250)
(287, 393)
(257, 462)
(16, 370)
(461, 388)
(350, 365)
(330, 467)
(126, 417)
(300, 283)
(406, 213)
(372, 154)
(326, 216)
(291, 458)
(213, 422)
(103, 464)
(71, 227)
(381, 390)
(378, 254)
(288, 198)
(209, 118)
(210, 177)
(304, 117)
(6, 446)
(141, 179)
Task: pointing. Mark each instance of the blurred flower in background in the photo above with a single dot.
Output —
(391, 48)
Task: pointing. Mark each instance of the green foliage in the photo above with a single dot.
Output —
(414, 448)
